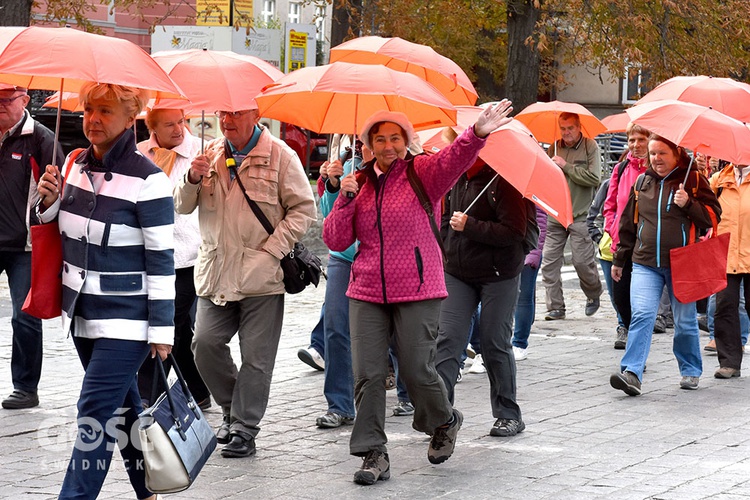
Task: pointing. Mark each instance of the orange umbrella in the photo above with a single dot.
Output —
(722, 94)
(64, 59)
(616, 123)
(409, 57)
(514, 153)
(696, 127)
(217, 80)
(541, 118)
(71, 102)
(340, 97)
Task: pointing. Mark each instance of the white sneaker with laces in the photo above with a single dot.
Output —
(312, 358)
(520, 353)
(478, 365)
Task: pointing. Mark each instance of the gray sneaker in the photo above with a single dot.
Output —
(507, 427)
(443, 440)
(332, 420)
(375, 466)
(627, 382)
(621, 340)
(660, 325)
(689, 383)
(403, 409)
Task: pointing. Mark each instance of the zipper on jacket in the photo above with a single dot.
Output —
(658, 224)
(640, 231)
(420, 267)
(684, 236)
(669, 199)
(379, 206)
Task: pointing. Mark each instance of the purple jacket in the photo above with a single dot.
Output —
(398, 259)
(534, 258)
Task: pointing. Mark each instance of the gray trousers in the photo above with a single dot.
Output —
(242, 393)
(584, 262)
(411, 328)
(495, 331)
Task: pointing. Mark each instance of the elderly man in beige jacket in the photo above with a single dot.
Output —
(238, 277)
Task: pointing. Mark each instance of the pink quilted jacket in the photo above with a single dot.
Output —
(399, 259)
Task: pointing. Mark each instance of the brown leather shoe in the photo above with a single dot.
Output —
(727, 372)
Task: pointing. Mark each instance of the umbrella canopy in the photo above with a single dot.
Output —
(616, 123)
(340, 97)
(217, 80)
(722, 94)
(514, 153)
(696, 127)
(409, 57)
(541, 118)
(71, 102)
(65, 58)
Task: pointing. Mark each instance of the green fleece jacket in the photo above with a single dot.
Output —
(583, 171)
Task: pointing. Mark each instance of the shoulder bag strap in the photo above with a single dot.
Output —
(232, 165)
(418, 187)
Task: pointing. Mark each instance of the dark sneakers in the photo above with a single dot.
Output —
(554, 314)
(592, 305)
(660, 325)
(238, 447)
(19, 400)
(627, 382)
(375, 466)
(506, 427)
(443, 440)
(222, 434)
(621, 340)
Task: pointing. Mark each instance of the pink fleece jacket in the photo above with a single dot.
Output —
(399, 259)
(618, 194)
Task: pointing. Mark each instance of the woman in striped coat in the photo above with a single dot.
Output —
(116, 217)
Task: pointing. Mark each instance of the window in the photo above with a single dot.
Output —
(294, 12)
(269, 11)
(320, 23)
(635, 85)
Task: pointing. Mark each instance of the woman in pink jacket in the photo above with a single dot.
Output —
(624, 175)
(397, 281)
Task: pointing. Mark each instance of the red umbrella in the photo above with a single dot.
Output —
(541, 118)
(722, 94)
(696, 127)
(616, 123)
(64, 59)
(514, 153)
(339, 98)
(409, 57)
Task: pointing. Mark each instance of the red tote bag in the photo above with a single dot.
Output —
(700, 269)
(44, 300)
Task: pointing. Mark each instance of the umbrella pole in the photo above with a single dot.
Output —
(203, 128)
(687, 174)
(481, 193)
(57, 123)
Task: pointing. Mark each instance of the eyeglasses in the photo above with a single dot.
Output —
(233, 114)
(6, 101)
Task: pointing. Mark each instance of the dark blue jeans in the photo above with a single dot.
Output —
(26, 355)
(525, 307)
(317, 336)
(107, 414)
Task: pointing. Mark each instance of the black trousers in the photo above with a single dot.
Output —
(727, 321)
(184, 321)
(621, 293)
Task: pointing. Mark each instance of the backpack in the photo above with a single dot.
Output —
(531, 238)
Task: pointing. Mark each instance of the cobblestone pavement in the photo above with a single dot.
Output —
(583, 439)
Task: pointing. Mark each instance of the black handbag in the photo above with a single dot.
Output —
(301, 267)
(175, 437)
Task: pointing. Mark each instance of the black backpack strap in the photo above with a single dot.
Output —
(418, 187)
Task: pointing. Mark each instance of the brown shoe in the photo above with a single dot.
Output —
(710, 347)
(727, 372)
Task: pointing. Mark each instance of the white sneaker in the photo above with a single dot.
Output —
(478, 365)
(520, 353)
(312, 358)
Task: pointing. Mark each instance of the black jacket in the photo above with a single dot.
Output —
(490, 246)
(23, 157)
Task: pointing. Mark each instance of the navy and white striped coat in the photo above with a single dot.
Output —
(118, 247)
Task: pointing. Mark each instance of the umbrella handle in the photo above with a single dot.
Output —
(57, 123)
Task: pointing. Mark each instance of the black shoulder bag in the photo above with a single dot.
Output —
(301, 267)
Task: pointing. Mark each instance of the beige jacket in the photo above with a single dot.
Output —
(237, 257)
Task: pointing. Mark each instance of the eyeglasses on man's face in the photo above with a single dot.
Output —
(231, 114)
(7, 101)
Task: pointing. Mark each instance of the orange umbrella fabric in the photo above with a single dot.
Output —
(514, 153)
(421, 60)
(65, 58)
(696, 127)
(340, 97)
(722, 94)
(541, 118)
(616, 123)
(217, 80)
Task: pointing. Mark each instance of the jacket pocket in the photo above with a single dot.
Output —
(420, 267)
(205, 279)
(260, 273)
(261, 182)
(105, 234)
(120, 282)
